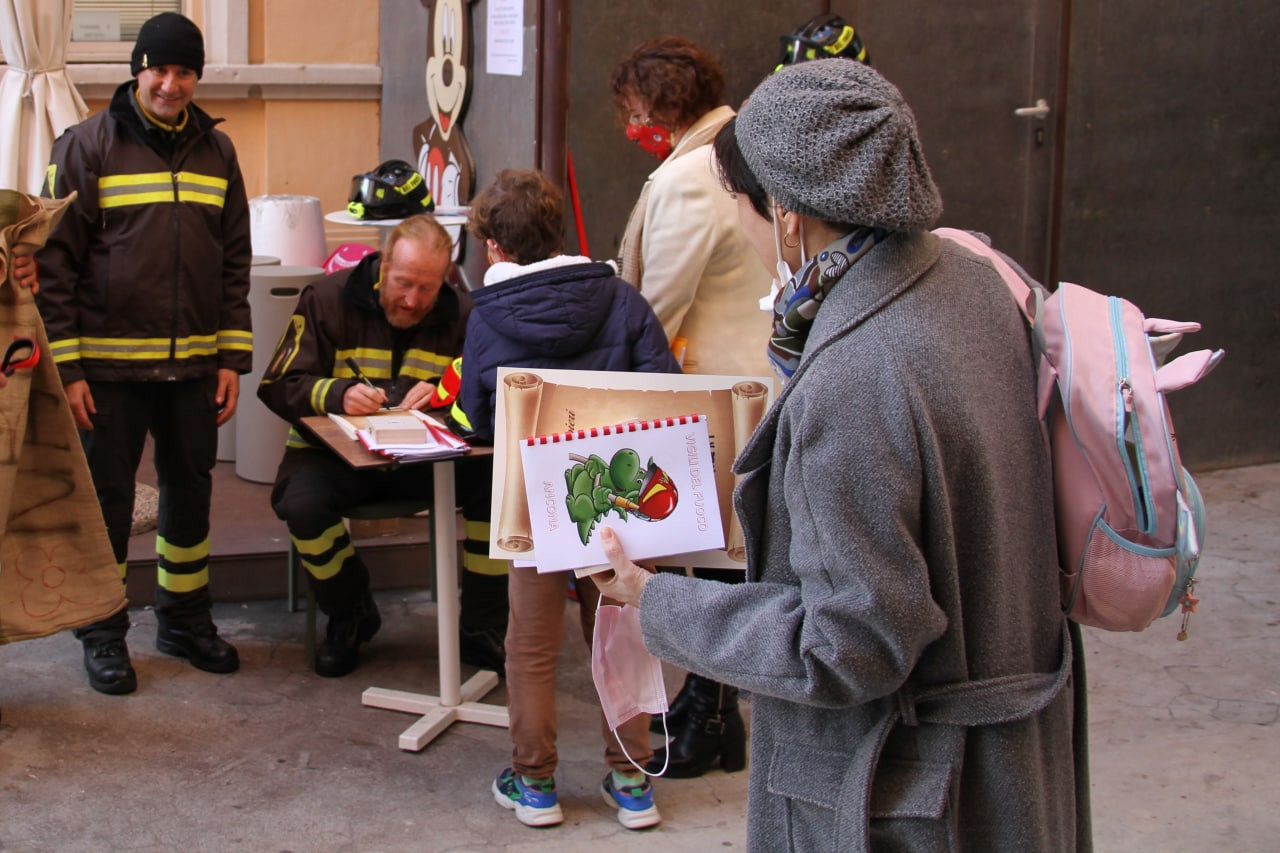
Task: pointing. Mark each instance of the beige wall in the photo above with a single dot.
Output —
(306, 147)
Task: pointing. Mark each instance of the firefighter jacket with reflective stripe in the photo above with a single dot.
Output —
(339, 318)
(147, 276)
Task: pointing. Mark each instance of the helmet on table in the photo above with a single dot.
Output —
(821, 37)
(394, 190)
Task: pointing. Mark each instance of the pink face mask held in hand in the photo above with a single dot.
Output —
(627, 677)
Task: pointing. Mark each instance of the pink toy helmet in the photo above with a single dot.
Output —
(345, 256)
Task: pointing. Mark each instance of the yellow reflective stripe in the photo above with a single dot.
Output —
(180, 553)
(174, 582)
(318, 392)
(310, 548)
(199, 180)
(427, 361)
(295, 439)
(202, 189)
(65, 350)
(320, 544)
(373, 363)
(481, 564)
(124, 200)
(137, 179)
(420, 375)
(161, 187)
(141, 188)
(460, 416)
(846, 36)
(322, 572)
(201, 198)
(229, 339)
(123, 569)
(129, 349)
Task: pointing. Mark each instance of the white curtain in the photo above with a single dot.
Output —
(37, 99)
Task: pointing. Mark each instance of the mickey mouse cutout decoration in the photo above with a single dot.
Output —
(444, 158)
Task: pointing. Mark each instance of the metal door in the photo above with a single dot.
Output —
(982, 78)
(1171, 195)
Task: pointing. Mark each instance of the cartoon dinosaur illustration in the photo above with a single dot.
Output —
(596, 487)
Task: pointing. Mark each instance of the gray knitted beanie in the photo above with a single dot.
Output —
(834, 140)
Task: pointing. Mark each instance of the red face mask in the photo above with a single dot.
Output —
(653, 138)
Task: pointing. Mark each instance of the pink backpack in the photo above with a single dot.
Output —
(1130, 520)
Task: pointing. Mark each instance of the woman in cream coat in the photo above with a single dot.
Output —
(684, 248)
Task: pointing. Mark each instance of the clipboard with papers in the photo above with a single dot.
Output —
(436, 441)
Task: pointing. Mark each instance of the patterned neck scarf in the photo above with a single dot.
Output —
(798, 302)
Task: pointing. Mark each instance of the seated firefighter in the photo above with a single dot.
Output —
(394, 321)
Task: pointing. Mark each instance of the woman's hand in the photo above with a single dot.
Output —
(624, 581)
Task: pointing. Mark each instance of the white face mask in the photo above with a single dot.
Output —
(783, 269)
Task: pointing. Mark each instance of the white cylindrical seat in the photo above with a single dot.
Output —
(227, 432)
(260, 434)
(289, 227)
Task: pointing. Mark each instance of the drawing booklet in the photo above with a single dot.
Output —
(543, 401)
(651, 481)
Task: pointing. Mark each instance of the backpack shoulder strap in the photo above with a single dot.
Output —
(1030, 299)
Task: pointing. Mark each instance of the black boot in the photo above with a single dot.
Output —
(483, 648)
(185, 629)
(482, 628)
(712, 730)
(106, 655)
(677, 711)
(339, 654)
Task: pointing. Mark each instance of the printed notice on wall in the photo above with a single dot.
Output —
(504, 38)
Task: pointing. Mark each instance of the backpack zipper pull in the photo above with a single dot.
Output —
(1188, 602)
(1126, 392)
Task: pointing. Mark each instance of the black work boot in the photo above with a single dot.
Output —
(339, 654)
(185, 629)
(106, 655)
(712, 730)
(482, 628)
(483, 648)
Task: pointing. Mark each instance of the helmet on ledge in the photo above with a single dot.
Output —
(394, 190)
(821, 37)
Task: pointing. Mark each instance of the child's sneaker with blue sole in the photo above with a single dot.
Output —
(633, 802)
(534, 804)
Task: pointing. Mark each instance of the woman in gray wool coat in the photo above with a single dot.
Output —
(915, 685)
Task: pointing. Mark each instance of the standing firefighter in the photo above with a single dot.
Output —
(144, 291)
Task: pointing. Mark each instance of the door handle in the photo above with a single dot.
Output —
(1039, 111)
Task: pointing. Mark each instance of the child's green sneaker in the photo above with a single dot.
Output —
(633, 802)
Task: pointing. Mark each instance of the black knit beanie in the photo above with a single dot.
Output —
(168, 39)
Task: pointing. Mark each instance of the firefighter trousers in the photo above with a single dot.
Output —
(181, 417)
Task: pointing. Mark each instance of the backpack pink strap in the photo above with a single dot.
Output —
(1021, 292)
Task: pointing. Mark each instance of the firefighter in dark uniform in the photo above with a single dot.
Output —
(144, 292)
(394, 320)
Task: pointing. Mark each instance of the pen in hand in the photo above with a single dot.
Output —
(359, 375)
(357, 372)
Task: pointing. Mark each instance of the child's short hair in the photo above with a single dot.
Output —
(521, 211)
